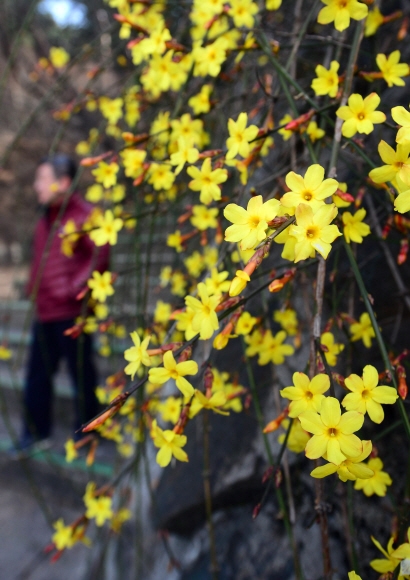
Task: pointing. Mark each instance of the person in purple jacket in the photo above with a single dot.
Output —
(55, 281)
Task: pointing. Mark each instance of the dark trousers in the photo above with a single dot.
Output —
(48, 347)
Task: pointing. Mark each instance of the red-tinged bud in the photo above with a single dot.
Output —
(56, 556)
(278, 477)
(359, 197)
(404, 28)
(387, 227)
(49, 548)
(75, 331)
(268, 474)
(296, 123)
(279, 283)
(248, 401)
(174, 45)
(374, 452)
(186, 354)
(328, 327)
(90, 161)
(188, 236)
(228, 303)
(91, 453)
(130, 138)
(256, 511)
(385, 376)
(402, 386)
(339, 379)
(104, 326)
(114, 406)
(400, 357)
(401, 223)
(138, 180)
(208, 381)
(278, 221)
(344, 195)
(183, 419)
(324, 348)
(370, 76)
(275, 46)
(347, 318)
(210, 153)
(162, 349)
(82, 293)
(320, 364)
(175, 312)
(124, 20)
(185, 216)
(404, 250)
(84, 441)
(219, 235)
(204, 238)
(276, 423)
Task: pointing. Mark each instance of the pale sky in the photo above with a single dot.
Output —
(64, 12)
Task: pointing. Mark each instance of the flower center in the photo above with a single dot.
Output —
(366, 395)
(307, 195)
(254, 221)
(174, 374)
(309, 395)
(311, 232)
(360, 116)
(332, 432)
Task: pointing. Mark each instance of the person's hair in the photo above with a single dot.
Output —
(62, 165)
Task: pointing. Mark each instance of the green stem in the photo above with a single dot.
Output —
(379, 338)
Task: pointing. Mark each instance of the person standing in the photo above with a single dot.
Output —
(54, 283)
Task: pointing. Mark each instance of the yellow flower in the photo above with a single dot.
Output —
(314, 131)
(217, 283)
(70, 451)
(106, 173)
(239, 283)
(311, 190)
(160, 176)
(200, 102)
(402, 117)
(305, 394)
(100, 285)
(354, 229)
(242, 12)
(390, 563)
(250, 224)
(207, 181)
(63, 536)
(373, 21)
(359, 115)
(94, 193)
(363, 330)
(137, 355)
(332, 432)
(174, 241)
(350, 469)
(287, 319)
(392, 70)
(333, 348)
(111, 109)
(58, 57)
(313, 231)
(402, 201)
(403, 551)
(176, 371)
(245, 323)
(107, 230)
(367, 396)
(162, 312)
(340, 12)
(186, 154)
(69, 238)
(133, 160)
(397, 164)
(214, 403)
(298, 437)
(205, 320)
(203, 217)
(99, 508)
(273, 4)
(272, 349)
(377, 484)
(170, 445)
(327, 80)
(286, 133)
(240, 136)
(209, 59)
(5, 353)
